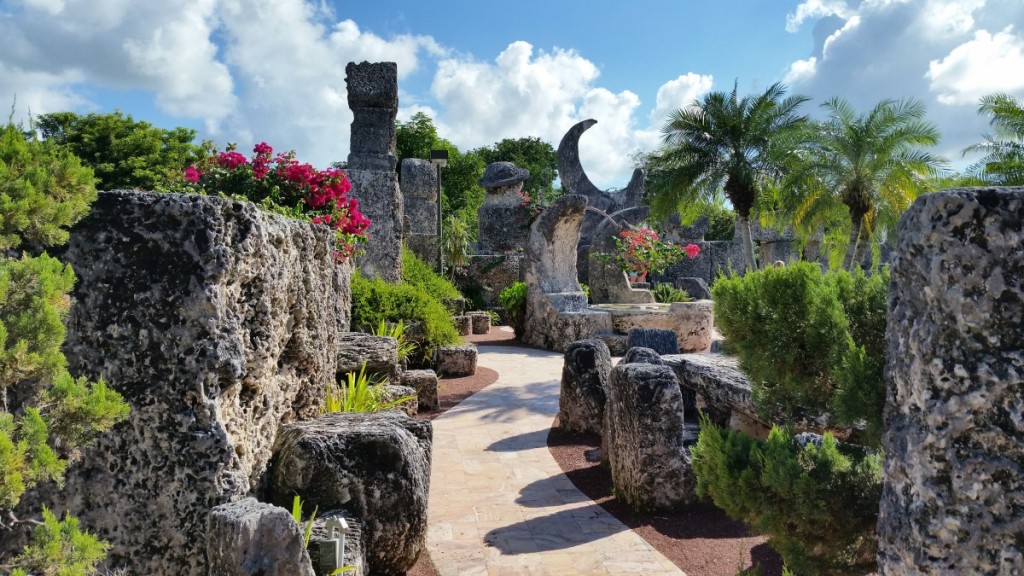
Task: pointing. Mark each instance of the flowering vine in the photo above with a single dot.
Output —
(280, 183)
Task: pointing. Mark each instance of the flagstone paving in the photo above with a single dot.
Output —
(499, 503)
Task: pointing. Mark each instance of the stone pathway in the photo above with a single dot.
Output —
(499, 503)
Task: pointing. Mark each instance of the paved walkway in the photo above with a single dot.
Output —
(499, 503)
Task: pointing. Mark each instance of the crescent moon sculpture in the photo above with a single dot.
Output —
(575, 180)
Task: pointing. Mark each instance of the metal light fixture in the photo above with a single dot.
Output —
(439, 158)
(332, 551)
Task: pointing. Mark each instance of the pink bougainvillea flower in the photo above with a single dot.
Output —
(692, 250)
(231, 160)
(192, 175)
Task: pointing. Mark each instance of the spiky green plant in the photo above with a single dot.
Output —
(360, 394)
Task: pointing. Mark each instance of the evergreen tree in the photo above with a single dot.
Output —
(122, 152)
(45, 413)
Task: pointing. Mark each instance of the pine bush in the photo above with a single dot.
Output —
(818, 505)
(45, 413)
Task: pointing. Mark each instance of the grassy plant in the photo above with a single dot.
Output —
(307, 530)
(360, 394)
(397, 330)
(669, 293)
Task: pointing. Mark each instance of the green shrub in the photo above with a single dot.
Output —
(418, 273)
(43, 191)
(62, 544)
(374, 301)
(513, 300)
(818, 506)
(860, 383)
(811, 343)
(668, 293)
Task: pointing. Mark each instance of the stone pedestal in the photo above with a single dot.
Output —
(954, 437)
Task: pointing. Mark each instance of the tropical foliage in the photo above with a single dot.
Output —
(859, 172)
(1003, 163)
(724, 141)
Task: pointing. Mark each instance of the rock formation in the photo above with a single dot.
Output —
(584, 386)
(216, 322)
(250, 538)
(375, 467)
(650, 466)
(954, 438)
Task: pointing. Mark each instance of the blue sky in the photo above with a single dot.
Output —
(273, 70)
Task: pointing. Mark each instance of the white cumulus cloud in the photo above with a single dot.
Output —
(938, 51)
(811, 9)
(524, 92)
(987, 63)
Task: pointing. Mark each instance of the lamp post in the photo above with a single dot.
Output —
(439, 158)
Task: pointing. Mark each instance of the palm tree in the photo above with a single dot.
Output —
(870, 164)
(1003, 163)
(729, 143)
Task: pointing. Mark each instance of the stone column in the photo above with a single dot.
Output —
(373, 98)
(954, 438)
(419, 194)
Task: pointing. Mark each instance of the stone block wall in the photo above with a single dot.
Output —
(217, 323)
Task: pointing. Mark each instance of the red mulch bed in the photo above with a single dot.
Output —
(701, 540)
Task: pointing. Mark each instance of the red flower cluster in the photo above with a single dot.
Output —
(283, 182)
(640, 250)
